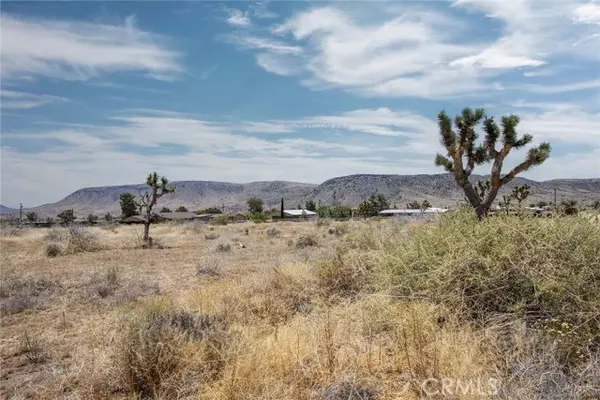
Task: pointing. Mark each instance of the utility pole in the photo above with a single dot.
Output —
(20, 213)
(555, 198)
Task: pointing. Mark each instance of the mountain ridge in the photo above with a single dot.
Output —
(439, 189)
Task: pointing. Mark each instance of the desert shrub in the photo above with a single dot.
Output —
(273, 232)
(52, 250)
(9, 230)
(349, 389)
(20, 294)
(108, 282)
(338, 230)
(306, 241)
(533, 268)
(223, 247)
(80, 239)
(259, 217)
(162, 349)
(209, 267)
(56, 234)
(278, 298)
(219, 220)
(211, 236)
(33, 349)
(76, 239)
(344, 275)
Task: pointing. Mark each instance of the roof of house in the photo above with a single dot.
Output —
(299, 213)
(178, 215)
(430, 210)
(132, 218)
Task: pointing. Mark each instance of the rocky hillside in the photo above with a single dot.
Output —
(440, 190)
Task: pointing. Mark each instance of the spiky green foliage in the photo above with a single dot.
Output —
(158, 188)
(373, 205)
(32, 216)
(463, 153)
(425, 204)
(128, 206)
(520, 193)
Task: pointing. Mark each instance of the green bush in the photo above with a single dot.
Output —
(536, 268)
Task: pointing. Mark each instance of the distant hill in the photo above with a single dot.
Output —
(439, 189)
(7, 210)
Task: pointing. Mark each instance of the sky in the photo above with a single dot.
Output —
(102, 93)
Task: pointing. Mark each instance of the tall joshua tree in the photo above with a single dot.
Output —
(463, 153)
(158, 188)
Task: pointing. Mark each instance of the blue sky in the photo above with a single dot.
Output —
(101, 93)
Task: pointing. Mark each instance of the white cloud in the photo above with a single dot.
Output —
(237, 18)
(22, 100)
(75, 50)
(401, 50)
(247, 41)
(587, 13)
(569, 87)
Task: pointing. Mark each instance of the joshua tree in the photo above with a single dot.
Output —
(373, 205)
(505, 203)
(32, 216)
(165, 209)
(158, 188)
(520, 193)
(108, 217)
(463, 154)
(311, 206)
(181, 209)
(425, 205)
(66, 216)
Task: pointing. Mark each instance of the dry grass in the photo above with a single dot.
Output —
(370, 313)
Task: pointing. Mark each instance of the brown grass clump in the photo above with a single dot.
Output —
(306, 241)
(166, 352)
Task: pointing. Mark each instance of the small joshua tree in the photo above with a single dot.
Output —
(520, 193)
(158, 188)
(425, 204)
(463, 154)
(32, 216)
(66, 216)
(181, 209)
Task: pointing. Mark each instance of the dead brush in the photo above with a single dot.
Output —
(209, 266)
(211, 236)
(279, 298)
(306, 240)
(20, 294)
(33, 349)
(164, 351)
(346, 275)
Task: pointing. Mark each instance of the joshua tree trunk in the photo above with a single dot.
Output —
(148, 201)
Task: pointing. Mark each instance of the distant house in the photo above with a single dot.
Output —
(181, 216)
(162, 217)
(299, 214)
(138, 219)
(430, 210)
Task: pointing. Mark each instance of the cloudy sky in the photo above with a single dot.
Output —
(96, 94)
